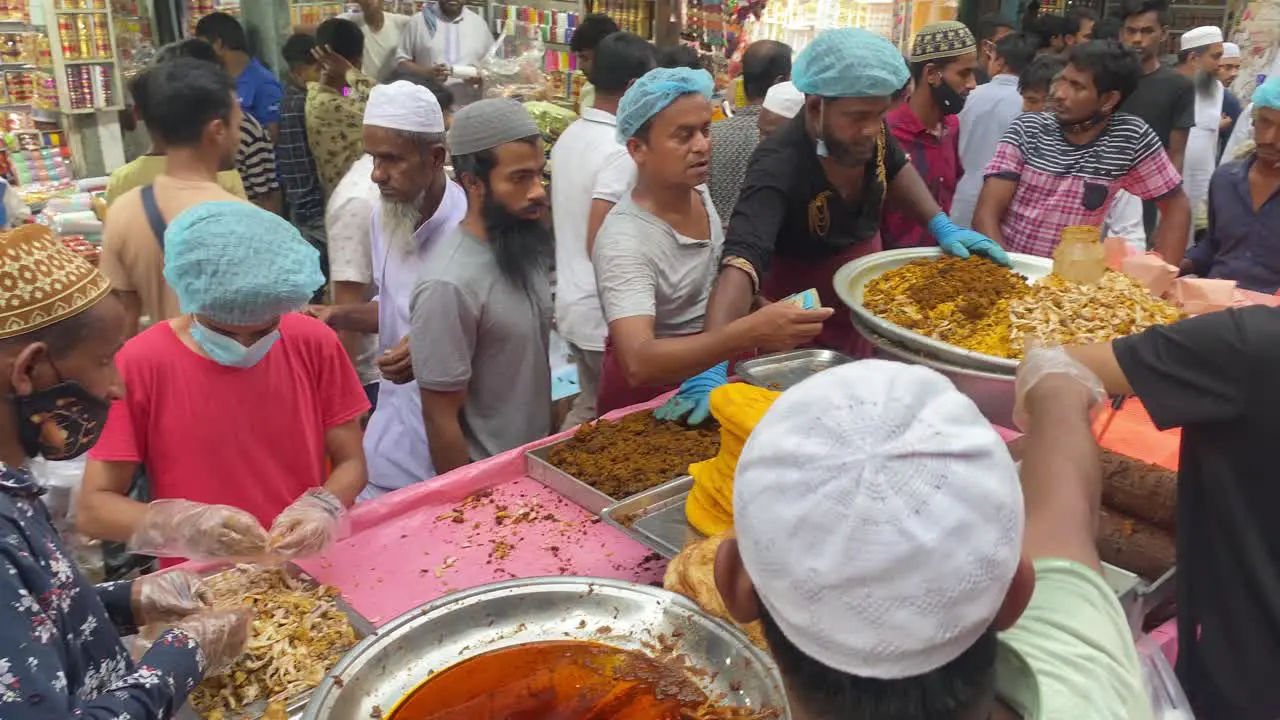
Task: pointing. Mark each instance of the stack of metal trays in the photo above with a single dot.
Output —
(538, 466)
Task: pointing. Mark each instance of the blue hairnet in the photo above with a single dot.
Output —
(1267, 95)
(239, 264)
(849, 62)
(654, 91)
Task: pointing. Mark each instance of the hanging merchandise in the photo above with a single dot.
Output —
(796, 22)
(633, 16)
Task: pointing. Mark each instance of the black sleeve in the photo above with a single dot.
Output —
(762, 205)
(1202, 370)
(894, 158)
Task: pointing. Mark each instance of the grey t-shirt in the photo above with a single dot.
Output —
(473, 329)
(644, 267)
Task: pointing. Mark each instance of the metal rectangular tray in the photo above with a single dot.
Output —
(655, 518)
(780, 371)
(539, 467)
(298, 703)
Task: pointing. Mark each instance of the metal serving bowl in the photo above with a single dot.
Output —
(382, 669)
(851, 282)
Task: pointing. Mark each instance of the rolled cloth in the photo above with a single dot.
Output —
(402, 105)
(239, 264)
(42, 282)
(1200, 37)
(489, 123)
(849, 62)
(880, 517)
(942, 40)
(654, 91)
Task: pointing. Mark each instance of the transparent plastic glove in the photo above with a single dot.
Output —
(169, 596)
(692, 402)
(308, 526)
(221, 635)
(1039, 363)
(182, 528)
(961, 242)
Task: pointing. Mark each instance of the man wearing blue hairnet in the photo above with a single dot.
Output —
(656, 255)
(1243, 238)
(813, 193)
(233, 406)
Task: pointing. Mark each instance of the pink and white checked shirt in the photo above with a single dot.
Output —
(1061, 184)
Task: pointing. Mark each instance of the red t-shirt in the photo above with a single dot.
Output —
(252, 438)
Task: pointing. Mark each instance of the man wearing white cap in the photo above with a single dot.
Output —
(1200, 52)
(900, 569)
(781, 103)
(404, 135)
(1228, 71)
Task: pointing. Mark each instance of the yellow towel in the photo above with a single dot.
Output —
(738, 407)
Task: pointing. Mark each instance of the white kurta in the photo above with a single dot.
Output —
(1202, 150)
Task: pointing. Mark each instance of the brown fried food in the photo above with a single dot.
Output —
(961, 302)
(621, 458)
(1134, 545)
(1146, 492)
(692, 574)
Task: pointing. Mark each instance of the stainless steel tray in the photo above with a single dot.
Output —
(780, 371)
(851, 281)
(655, 518)
(538, 467)
(383, 669)
(254, 710)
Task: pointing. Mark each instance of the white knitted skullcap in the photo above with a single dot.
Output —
(1199, 37)
(1230, 51)
(880, 517)
(784, 99)
(403, 105)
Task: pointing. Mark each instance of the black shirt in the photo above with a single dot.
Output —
(1166, 100)
(1217, 377)
(787, 205)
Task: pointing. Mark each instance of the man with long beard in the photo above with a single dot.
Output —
(1201, 51)
(481, 310)
(404, 135)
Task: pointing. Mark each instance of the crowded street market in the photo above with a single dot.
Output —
(756, 361)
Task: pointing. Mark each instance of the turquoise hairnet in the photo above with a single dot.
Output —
(849, 62)
(1267, 94)
(654, 91)
(239, 264)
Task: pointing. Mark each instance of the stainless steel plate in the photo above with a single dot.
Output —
(539, 467)
(383, 669)
(656, 518)
(851, 281)
(781, 371)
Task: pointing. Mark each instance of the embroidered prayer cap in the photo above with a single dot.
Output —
(1230, 51)
(784, 99)
(880, 518)
(42, 281)
(942, 40)
(402, 105)
(1200, 37)
(489, 123)
(654, 91)
(239, 264)
(849, 62)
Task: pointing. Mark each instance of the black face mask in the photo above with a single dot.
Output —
(60, 422)
(949, 100)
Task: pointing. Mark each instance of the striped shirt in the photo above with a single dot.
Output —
(256, 159)
(1061, 184)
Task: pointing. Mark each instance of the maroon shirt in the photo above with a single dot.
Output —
(937, 159)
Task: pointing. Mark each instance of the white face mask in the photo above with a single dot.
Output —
(822, 116)
(228, 351)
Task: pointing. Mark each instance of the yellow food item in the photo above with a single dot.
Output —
(692, 573)
(738, 407)
(963, 302)
(1058, 312)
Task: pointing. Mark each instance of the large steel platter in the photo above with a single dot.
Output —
(374, 675)
(851, 282)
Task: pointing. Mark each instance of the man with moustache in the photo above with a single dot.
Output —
(481, 310)
(927, 127)
(404, 135)
(445, 35)
(1201, 50)
(1228, 71)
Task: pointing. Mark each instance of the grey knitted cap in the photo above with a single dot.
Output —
(487, 124)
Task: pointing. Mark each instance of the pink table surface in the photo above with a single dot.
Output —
(404, 551)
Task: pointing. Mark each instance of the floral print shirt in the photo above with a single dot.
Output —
(60, 649)
(335, 127)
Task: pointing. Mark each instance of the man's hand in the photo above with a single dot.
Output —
(323, 313)
(783, 325)
(1050, 375)
(169, 596)
(963, 242)
(333, 64)
(438, 72)
(1225, 122)
(396, 364)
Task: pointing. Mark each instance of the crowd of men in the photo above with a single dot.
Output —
(371, 235)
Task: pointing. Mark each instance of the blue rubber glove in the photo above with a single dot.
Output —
(958, 241)
(692, 402)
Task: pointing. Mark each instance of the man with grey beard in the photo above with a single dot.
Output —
(481, 310)
(1201, 51)
(418, 205)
